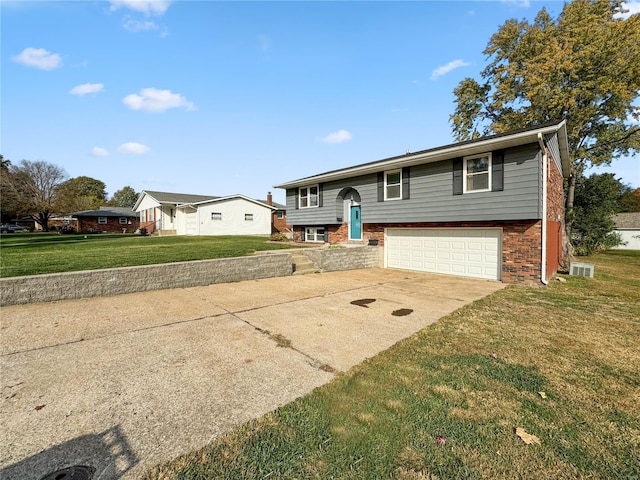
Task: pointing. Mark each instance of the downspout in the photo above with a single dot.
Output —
(543, 272)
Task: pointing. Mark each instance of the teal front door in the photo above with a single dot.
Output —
(355, 232)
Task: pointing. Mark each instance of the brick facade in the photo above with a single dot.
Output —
(113, 225)
(521, 243)
(555, 217)
(279, 225)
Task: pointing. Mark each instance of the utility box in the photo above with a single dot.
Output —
(581, 269)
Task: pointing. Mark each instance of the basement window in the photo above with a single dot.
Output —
(314, 234)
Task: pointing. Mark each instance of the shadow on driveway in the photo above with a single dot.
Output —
(107, 456)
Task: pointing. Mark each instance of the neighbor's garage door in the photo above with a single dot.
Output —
(469, 252)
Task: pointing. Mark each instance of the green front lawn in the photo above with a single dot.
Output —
(561, 362)
(38, 253)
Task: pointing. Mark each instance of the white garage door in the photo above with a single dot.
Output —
(192, 223)
(469, 252)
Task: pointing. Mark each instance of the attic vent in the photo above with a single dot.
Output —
(581, 269)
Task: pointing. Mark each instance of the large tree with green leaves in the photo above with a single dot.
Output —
(125, 197)
(33, 186)
(596, 203)
(81, 193)
(583, 66)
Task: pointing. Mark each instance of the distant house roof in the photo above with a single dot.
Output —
(230, 197)
(168, 197)
(107, 212)
(628, 220)
(277, 205)
(188, 199)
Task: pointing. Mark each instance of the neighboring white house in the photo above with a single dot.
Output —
(185, 214)
(628, 226)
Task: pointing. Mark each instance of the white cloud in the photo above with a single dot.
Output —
(38, 58)
(337, 137)
(133, 148)
(99, 152)
(86, 88)
(154, 100)
(633, 8)
(444, 69)
(148, 7)
(134, 25)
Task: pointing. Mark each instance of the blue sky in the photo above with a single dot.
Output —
(234, 97)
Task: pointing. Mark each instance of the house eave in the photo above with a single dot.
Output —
(222, 199)
(444, 153)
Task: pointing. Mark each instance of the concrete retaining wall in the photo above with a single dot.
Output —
(352, 258)
(115, 281)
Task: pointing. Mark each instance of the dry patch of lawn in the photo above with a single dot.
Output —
(561, 362)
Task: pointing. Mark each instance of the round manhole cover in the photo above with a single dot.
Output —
(77, 472)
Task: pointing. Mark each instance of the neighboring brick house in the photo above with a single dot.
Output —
(278, 217)
(488, 208)
(107, 219)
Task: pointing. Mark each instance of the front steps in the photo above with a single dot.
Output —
(302, 265)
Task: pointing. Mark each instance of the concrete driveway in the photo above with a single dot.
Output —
(123, 383)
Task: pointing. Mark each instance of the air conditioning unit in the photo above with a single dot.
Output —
(581, 269)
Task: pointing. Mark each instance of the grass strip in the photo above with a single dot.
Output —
(444, 403)
(35, 255)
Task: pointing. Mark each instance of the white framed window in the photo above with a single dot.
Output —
(477, 173)
(308, 196)
(280, 214)
(143, 216)
(393, 185)
(122, 220)
(216, 215)
(314, 234)
(248, 217)
(102, 220)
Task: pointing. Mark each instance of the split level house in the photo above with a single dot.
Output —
(488, 208)
(187, 214)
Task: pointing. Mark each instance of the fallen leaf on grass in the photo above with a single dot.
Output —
(526, 437)
(542, 394)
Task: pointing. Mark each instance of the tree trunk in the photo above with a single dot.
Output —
(43, 220)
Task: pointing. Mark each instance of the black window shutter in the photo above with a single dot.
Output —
(296, 199)
(457, 176)
(320, 195)
(405, 183)
(381, 186)
(497, 171)
(326, 234)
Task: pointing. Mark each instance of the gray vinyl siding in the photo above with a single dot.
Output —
(432, 198)
(554, 148)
